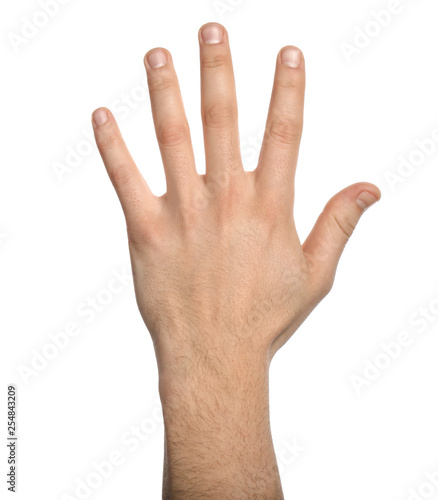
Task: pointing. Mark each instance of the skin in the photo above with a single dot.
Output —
(221, 278)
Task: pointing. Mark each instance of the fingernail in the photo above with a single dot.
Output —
(100, 117)
(212, 34)
(157, 58)
(365, 200)
(291, 56)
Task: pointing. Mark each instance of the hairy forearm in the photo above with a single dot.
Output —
(217, 436)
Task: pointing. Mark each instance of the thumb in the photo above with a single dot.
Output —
(334, 227)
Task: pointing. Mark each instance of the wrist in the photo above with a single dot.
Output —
(212, 406)
(198, 376)
(217, 429)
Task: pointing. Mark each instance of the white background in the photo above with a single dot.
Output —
(63, 235)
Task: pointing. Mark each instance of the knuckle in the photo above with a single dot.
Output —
(344, 224)
(172, 134)
(189, 220)
(110, 141)
(272, 208)
(147, 230)
(159, 83)
(326, 287)
(214, 61)
(219, 116)
(287, 84)
(136, 239)
(321, 280)
(230, 201)
(283, 130)
(121, 176)
(140, 237)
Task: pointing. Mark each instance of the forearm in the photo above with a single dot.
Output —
(217, 436)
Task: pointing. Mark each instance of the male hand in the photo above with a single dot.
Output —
(221, 278)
